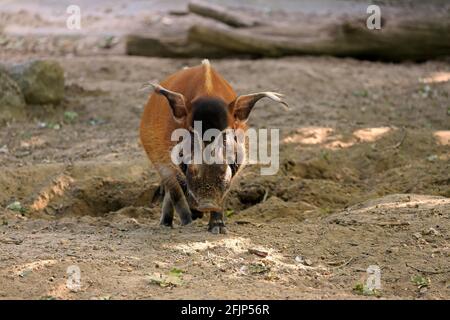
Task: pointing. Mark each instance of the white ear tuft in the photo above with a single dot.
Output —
(150, 85)
(275, 96)
(243, 105)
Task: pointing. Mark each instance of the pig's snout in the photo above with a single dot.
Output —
(208, 206)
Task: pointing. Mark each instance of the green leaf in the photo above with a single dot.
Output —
(173, 279)
(420, 281)
(361, 93)
(70, 116)
(425, 91)
(362, 290)
(16, 206)
(229, 213)
(358, 288)
(257, 268)
(96, 121)
(176, 271)
(54, 126)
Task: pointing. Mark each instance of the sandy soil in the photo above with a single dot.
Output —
(363, 180)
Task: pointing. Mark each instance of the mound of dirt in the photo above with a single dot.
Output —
(84, 188)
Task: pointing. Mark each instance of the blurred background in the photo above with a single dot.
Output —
(253, 28)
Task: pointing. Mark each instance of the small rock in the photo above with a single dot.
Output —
(243, 270)
(303, 260)
(417, 235)
(25, 273)
(41, 81)
(431, 231)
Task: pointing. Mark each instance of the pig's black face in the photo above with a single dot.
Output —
(207, 185)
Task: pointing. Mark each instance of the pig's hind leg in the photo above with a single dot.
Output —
(216, 224)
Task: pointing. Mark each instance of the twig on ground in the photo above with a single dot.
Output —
(428, 271)
(339, 264)
(259, 253)
(243, 222)
(400, 142)
(393, 223)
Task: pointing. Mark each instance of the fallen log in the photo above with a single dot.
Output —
(221, 14)
(142, 45)
(237, 41)
(416, 40)
(412, 39)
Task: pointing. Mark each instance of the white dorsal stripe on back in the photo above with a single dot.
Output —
(208, 77)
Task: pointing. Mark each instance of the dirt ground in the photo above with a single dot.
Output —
(364, 179)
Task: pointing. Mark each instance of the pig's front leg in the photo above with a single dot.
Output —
(167, 211)
(216, 224)
(173, 182)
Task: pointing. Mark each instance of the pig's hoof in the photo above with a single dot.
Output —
(217, 228)
(167, 224)
(186, 221)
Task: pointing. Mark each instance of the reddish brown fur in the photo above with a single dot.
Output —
(157, 123)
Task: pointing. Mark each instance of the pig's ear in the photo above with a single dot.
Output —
(243, 105)
(176, 102)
